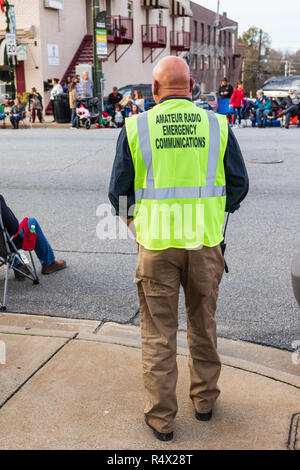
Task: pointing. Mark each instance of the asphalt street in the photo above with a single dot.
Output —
(61, 176)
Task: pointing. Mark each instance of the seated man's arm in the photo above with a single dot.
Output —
(237, 182)
(122, 177)
(10, 221)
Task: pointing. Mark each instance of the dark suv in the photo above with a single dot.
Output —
(146, 90)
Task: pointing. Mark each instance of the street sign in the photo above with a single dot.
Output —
(101, 36)
(11, 44)
(12, 20)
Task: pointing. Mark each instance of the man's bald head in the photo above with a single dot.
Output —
(171, 77)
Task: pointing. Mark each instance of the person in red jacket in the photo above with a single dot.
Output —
(237, 102)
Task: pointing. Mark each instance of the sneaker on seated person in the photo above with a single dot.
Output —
(43, 249)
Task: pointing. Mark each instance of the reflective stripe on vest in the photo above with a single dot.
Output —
(210, 190)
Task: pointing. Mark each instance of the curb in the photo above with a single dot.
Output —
(261, 360)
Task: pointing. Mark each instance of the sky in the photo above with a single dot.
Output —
(281, 19)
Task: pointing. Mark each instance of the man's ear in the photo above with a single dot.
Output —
(192, 83)
(155, 90)
(155, 87)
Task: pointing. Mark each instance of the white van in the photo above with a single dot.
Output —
(278, 87)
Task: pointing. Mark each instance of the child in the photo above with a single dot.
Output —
(105, 120)
(118, 117)
(134, 110)
(237, 103)
(82, 112)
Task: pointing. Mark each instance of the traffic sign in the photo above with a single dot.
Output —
(11, 44)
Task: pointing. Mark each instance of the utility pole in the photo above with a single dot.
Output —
(216, 47)
(259, 55)
(286, 68)
(97, 63)
(243, 70)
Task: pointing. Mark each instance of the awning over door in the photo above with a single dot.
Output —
(3, 54)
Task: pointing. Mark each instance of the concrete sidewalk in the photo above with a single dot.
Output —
(75, 384)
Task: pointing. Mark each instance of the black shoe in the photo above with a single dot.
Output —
(203, 416)
(161, 436)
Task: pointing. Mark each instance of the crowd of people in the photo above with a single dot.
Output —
(261, 111)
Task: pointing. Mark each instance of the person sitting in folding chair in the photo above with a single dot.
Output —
(17, 113)
(42, 248)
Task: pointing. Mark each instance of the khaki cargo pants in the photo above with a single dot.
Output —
(158, 278)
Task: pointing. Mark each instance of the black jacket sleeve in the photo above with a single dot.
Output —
(122, 176)
(10, 221)
(237, 182)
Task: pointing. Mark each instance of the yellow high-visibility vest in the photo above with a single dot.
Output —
(180, 189)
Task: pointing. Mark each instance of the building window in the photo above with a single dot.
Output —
(208, 62)
(130, 9)
(220, 38)
(195, 30)
(220, 63)
(195, 62)
(202, 32)
(225, 37)
(202, 60)
(215, 35)
(208, 34)
(229, 38)
(228, 63)
(160, 18)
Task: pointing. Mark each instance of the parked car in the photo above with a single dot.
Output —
(204, 105)
(146, 90)
(211, 99)
(278, 87)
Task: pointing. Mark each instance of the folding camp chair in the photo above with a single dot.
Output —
(3, 115)
(8, 255)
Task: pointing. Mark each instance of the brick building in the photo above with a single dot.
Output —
(58, 36)
(213, 54)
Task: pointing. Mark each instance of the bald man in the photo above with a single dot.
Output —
(180, 167)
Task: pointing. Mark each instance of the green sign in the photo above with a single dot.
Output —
(101, 36)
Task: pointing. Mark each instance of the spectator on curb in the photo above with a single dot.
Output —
(105, 120)
(118, 117)
(237, 103)
(262, 107)
(292, 104)
(67, 84)
(16, 113)
(35, 105)
(56, 91)
(134, 110)
(72, 102)
(114, 98)
(138, 99)
(225, 89)
(77, 80)
(43, 249)
(87, 86)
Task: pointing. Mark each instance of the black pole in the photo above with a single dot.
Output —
(97, 63)
(11, 71)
